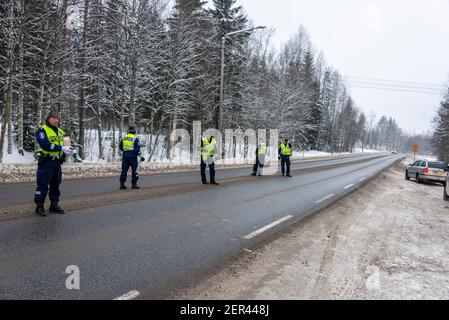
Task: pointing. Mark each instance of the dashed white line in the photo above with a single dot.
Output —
(349, 186)
(325, 198)
(129, 296)
(267, 227)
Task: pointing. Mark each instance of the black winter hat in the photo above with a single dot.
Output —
(54, 114)
(132, 130)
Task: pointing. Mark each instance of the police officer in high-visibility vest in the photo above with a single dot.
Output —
(285, 153)
(261, 151)
(208, 148)
(51, 155)
(130, 145)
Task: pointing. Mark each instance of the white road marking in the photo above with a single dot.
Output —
(268, 227)
(129, 296)
(347, 187)
(325, 198)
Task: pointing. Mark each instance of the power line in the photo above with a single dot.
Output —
(396, 89)
(395, 85)
(426, 84)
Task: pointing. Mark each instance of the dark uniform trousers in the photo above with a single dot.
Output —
(132, 162)
(203, 171)
(257, 165)
(285, 161)
(49, 173)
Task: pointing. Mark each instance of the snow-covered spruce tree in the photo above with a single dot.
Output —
(327, 101)
(440, 134)
(311, 86)
(361, 130)
(347, 127)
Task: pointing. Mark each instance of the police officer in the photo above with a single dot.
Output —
(285, 153)
(130, 145)
(51, 155)
(261, 151)
(208, 146)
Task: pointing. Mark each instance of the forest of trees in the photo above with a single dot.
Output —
(440, 135)
(106, 64)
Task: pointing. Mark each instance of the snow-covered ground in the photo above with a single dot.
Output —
(15, 157)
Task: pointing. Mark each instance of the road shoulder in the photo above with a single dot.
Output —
(387, 240)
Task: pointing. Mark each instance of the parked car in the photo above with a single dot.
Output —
(424, 170)
(446, 189)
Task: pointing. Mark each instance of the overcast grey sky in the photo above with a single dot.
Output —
(400, 40)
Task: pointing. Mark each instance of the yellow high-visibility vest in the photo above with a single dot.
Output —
(262, 150)
(128, 142)
(56, 139)
(208, 148)
(286, 150)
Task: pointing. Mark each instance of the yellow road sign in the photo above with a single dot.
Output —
(415, 148)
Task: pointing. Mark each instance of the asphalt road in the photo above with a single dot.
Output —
(157, 245)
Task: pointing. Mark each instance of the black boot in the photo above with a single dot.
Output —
(54, 207)
(205, 182)
(40, 210)
(253, 174)
(214, 183)
(122, 186)
(135, 186)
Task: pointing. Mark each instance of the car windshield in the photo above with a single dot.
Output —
(438, 165)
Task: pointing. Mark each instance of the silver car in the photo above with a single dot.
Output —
(423, 170)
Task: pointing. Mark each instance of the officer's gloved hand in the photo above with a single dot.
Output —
(142, 159)
(68, 151)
